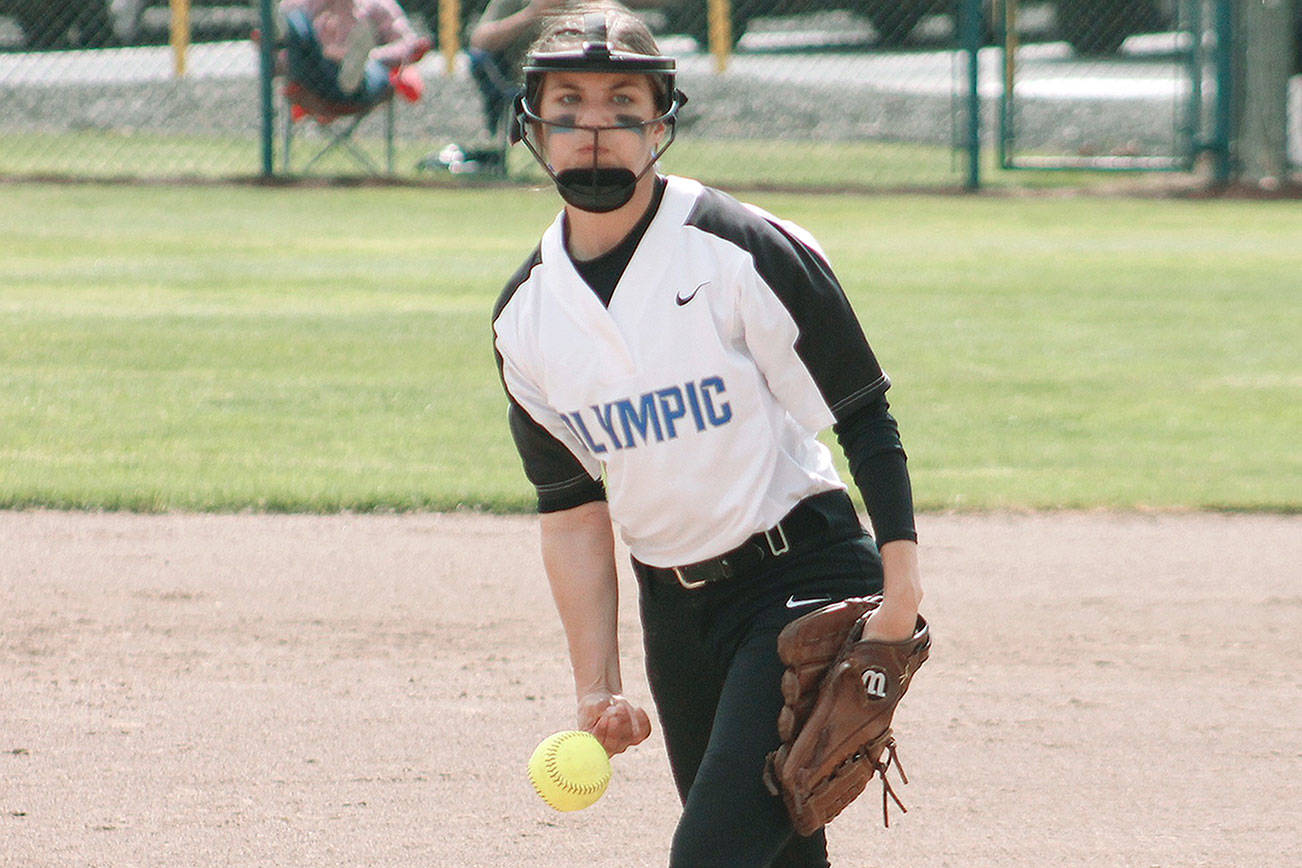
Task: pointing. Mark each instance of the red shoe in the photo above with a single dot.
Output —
(407, 82)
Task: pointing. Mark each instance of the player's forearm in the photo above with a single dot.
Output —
(901, 592)
(902, 578)
(498, 35)
(396, 53)
(871, 440)
(579, 555)
(398, 43)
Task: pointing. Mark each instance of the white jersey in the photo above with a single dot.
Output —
(699, 391)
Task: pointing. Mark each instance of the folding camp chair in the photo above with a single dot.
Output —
(338, 121)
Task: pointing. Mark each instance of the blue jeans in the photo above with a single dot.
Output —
(309, 66)
(496, 87)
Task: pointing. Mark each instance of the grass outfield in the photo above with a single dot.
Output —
(226, 348)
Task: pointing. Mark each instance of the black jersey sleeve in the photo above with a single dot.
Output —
(830, 340)
(832, 343)
(558, 477)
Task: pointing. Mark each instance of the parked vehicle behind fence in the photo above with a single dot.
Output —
(1090, 26)
(99, 23)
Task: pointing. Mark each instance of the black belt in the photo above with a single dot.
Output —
(797, 526)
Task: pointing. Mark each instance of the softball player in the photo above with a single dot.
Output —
(669, 355)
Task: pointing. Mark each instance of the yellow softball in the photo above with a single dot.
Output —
(570, 770)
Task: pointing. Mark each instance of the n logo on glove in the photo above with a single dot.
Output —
(874, 683)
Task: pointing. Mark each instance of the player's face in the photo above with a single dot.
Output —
(598, 99)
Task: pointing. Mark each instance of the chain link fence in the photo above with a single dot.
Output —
(818, 93)
(1131, 86)
(93, 88)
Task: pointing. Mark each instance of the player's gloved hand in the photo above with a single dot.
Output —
(891, 622)
(896, 618)
(617, 723)
(841, 688)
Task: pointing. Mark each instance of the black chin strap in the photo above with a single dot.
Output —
(597, 189)
(593, 188)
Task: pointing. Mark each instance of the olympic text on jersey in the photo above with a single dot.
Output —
(656, 414)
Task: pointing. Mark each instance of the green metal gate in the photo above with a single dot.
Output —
(1135, 85)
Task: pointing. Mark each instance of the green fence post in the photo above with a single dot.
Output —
(266, 71)
(972, 39)
(1225, 96)
(1193, 121)
(1007, 73)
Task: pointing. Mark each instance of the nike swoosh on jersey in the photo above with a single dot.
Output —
(793, 603)
(682, 300)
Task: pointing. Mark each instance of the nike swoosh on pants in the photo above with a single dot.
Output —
(793, 603)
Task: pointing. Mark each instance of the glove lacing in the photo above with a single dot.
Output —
(892, 758)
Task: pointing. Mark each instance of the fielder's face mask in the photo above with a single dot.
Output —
(595, 188)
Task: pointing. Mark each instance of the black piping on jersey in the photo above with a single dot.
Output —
(557, 475)
(565, 485)
(830, 340)
(517, 280)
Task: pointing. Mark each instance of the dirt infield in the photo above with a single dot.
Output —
(1105, 689)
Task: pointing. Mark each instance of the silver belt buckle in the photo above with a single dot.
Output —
(782, 535)
(682, 580)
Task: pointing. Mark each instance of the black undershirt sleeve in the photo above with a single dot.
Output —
(871, 440)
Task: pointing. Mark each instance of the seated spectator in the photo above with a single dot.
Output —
(498, 43)
(496, 46)
(348, 51)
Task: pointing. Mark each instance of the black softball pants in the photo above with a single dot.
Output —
(715, 676)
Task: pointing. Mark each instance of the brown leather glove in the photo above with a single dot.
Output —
(840, 693)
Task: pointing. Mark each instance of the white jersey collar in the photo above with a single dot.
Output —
(675, 206)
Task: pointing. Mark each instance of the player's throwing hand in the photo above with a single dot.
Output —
(617, 723)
